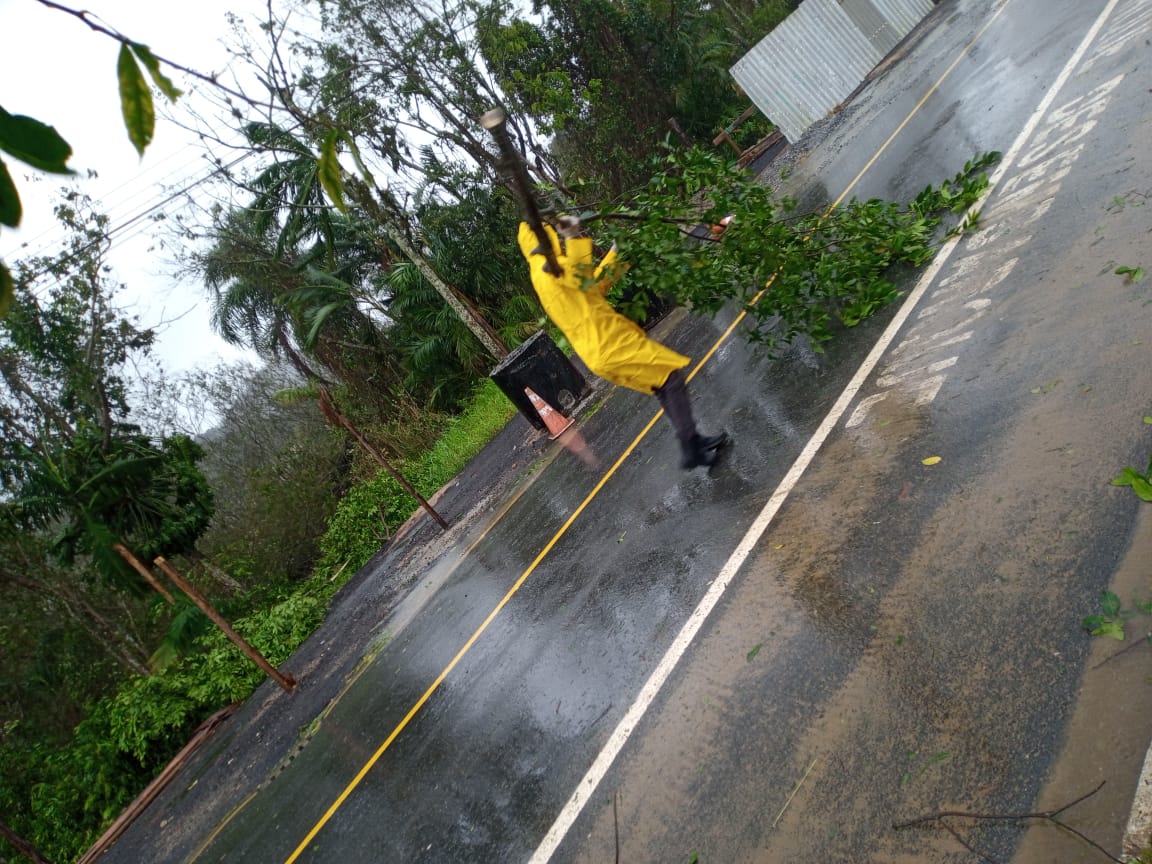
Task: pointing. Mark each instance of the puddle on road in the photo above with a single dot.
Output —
(1108, 734)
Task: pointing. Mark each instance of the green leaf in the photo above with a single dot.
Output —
(1147, 420)
(318, 320)
(1092, 623)
(329, 172)
(1142, 487)
(9, 199)
(34, 142)
(1109, 604)
(152, 64)
(751, 655)
(135, 100)
(1110, 628)
(1126, 477)
(7, 289)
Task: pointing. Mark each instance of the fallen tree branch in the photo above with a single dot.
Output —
(1135, 644)
(937, 819)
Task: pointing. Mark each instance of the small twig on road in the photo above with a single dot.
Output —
(967, 845)
(1136, 644)
(780, 815)
(616, 822)
(1044, 815)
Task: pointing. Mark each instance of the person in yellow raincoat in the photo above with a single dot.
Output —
(611, 345)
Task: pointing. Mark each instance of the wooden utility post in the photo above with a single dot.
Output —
(329, 409)
(22, 846)
(283, 679)
(465, 310)
(139, 567)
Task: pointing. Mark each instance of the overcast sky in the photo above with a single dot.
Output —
(54, 68)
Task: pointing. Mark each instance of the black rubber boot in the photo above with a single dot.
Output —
(703, 450)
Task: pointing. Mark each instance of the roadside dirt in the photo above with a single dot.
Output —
(1103, 744)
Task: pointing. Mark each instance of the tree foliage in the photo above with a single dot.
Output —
(608, 79)
(797, 274)
(277, 470)
(75, 468)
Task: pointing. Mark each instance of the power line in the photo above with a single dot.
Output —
(108, 236)
(145, 186)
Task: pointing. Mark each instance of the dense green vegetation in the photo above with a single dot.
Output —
(380, 315)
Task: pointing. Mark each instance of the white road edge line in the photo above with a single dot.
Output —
(687, 635)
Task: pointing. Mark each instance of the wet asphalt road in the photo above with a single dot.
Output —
(903, 637)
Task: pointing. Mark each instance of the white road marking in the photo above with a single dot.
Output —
(687, 635)
(1021, 200)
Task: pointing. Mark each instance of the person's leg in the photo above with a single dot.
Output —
(698, 449)
(673, 397)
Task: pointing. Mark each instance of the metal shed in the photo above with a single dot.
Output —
(819, 54)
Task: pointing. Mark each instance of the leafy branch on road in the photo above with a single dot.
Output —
(940, 820)
(796, 274)
(1109, 621)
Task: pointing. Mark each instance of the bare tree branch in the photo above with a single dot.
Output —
(1043, 815)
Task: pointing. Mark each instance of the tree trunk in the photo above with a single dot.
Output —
(463, 308)
(22, 846)
(294, 358)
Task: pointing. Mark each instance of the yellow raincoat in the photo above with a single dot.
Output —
(612, 346)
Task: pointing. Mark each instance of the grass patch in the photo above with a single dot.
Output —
(371, 511)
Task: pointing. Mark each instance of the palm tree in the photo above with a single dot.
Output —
(324, 321)
(465, 240)
(136, 493)
(289, 190)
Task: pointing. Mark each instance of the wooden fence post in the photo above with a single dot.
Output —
(328, 407)
(283, 679)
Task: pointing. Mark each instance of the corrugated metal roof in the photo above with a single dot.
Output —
(819, 54)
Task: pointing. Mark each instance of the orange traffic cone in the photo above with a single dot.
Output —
(553, 419)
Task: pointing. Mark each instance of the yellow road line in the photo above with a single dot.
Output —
(500, 514)
(331, 811)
